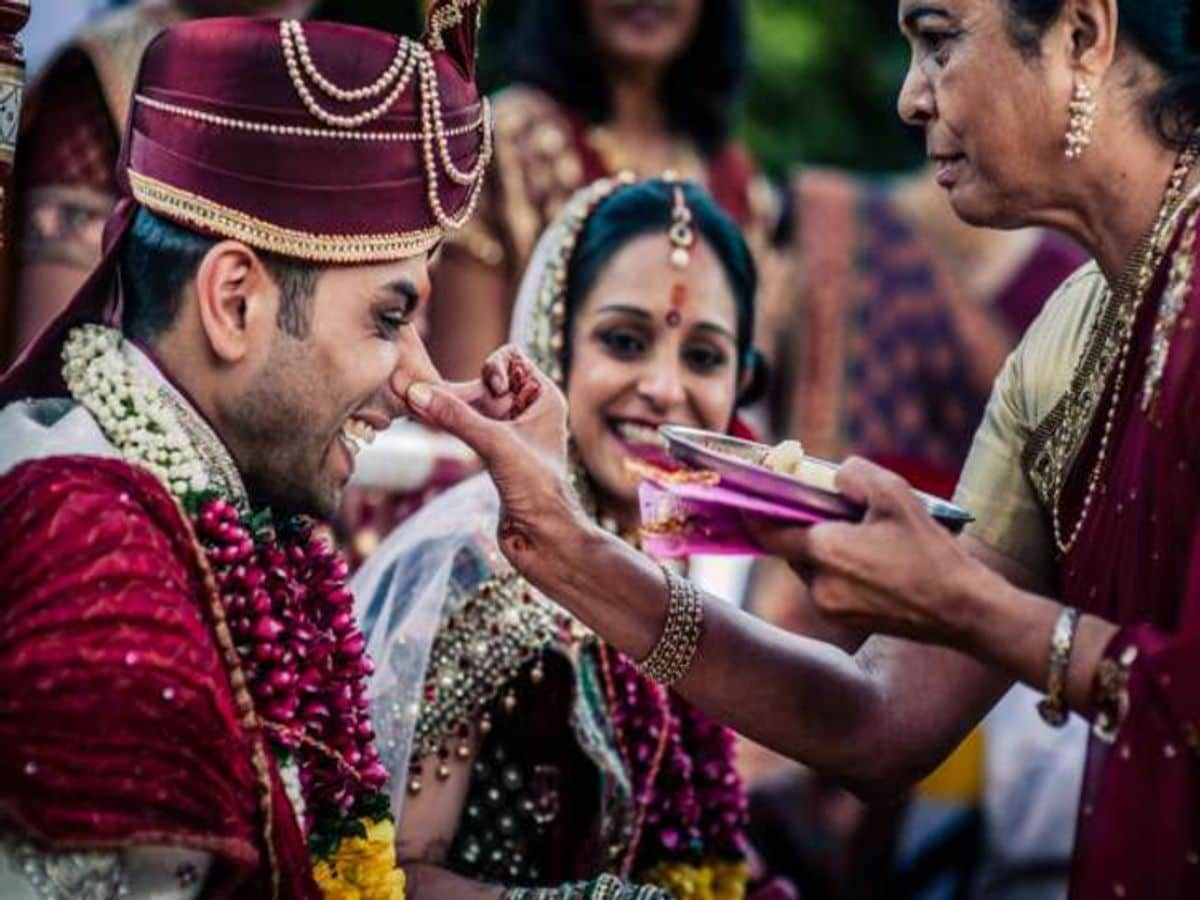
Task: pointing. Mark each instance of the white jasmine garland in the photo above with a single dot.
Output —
(289, 774)
(129, 409)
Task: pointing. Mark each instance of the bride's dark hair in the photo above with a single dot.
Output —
(644, 208)
(1166, 32)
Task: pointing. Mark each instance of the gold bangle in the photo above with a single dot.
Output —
(672, 656)
(1053, 709)
(1112, 695)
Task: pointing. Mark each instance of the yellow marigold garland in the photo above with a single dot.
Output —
(363, 868)
(713, 879)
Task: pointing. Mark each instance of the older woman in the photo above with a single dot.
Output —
(1082, 577)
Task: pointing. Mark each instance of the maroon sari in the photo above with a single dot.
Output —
(120, 722)
(1137, 563)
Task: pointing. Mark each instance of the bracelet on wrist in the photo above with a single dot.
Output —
(675, 650)
(1053, 708)
(1112, 694)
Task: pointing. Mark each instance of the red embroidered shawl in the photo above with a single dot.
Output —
(120, 723)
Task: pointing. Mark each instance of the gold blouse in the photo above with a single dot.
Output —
(995, 486)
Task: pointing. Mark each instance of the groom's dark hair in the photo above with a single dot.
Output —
(159, 258)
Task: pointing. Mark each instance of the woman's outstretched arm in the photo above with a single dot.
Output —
(879, 719)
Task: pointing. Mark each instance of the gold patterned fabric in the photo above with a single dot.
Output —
(995, 484)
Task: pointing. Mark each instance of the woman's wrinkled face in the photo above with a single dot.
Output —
(643, 32)
(651, 345)
(994, 119)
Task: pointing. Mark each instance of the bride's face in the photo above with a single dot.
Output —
(651, 345)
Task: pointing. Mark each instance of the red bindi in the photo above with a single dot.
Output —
(679, 294)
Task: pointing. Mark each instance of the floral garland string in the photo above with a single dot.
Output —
(688, 837)
(289, 612)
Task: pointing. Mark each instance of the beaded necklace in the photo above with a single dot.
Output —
(1129, 293)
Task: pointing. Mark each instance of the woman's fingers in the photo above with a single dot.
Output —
(446, 406)
(495, 372)
(785, 540)
(507, 387)
(881, 491)
(467, 391)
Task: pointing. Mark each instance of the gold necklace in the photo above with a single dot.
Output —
(1132, 286)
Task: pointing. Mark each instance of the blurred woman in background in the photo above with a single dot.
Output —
(65, 178)
(599, 87)
(540, 756)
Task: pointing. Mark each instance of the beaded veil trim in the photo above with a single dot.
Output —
(545, 344)
(479, 649)
(207, 215)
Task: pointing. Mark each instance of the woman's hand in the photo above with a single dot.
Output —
(897, 572)
(515, 418)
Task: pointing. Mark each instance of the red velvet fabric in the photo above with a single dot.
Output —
(118, 722)
(68, 137)
(1137, 564)
(235, 68)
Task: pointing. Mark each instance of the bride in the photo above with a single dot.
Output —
(531, 758)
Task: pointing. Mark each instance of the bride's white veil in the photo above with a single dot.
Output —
(401, 590)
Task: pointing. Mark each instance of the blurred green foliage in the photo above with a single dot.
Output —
(823, 86)
(822, 90)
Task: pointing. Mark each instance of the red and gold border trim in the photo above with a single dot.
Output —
(215, 218)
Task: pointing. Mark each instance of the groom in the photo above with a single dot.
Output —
(181, 683)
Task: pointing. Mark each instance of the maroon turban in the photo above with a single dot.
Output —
(320, 142)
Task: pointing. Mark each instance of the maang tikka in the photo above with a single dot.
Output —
(1083, 119)
(681, 234)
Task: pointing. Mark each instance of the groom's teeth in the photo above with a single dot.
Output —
(353, 442)
(356, 434)
(364, 431)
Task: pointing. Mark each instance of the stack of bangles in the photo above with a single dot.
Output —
(606, 887)
(672, 656)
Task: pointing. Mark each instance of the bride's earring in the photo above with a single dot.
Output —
(1083, 120)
